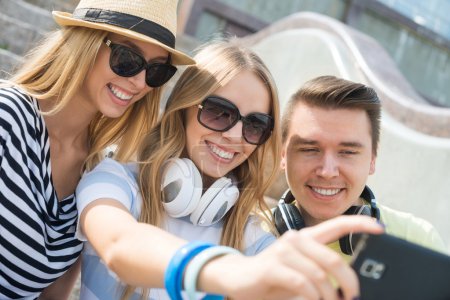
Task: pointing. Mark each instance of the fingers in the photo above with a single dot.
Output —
(331, 230)
(290, 282)
(269, 276)
(309, 242)
(320, 264)
(332, 263)
(300, 265)
(313, 274)
(280, 272)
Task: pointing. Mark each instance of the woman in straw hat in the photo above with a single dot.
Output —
(94, 83)
(199, 177)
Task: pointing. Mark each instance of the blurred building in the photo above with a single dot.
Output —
(415, 33)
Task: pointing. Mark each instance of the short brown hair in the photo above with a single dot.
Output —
(330, 92)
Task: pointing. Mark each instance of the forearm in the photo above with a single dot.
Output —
(138, 253)
(140, 258)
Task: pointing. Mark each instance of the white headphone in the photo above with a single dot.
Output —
(182, 188)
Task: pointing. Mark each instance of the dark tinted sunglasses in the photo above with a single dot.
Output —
(220, 114)
(126, 62)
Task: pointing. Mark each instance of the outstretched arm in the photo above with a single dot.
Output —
(138, 253)
(298, 264)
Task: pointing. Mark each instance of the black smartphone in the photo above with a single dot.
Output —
(390, 268)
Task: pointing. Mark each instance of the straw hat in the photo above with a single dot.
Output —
(152, 21)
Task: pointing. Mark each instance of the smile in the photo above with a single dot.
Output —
(122, 95)
(220, 152)
(326, 192)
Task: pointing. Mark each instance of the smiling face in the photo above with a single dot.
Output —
(327, 157)
(109, 93)
(217, 153)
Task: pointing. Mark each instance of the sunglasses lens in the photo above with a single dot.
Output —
(125, 62)
(220, 115)
(159, 73)
(217, 114)
(257, 128)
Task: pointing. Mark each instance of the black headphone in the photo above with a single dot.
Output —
(287, 216)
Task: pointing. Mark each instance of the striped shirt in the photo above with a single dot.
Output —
(37, 232)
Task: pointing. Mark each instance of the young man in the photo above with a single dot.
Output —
(330, 133)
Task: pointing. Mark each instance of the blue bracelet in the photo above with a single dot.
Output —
(173, 277)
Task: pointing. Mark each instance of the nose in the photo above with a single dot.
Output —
(138, 80)
(329, 166)
(234, 133)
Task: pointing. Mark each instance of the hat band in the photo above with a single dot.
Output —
(139, 25)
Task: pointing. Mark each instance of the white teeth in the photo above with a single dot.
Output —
(119, 94)
(326, 192)
(221, 153)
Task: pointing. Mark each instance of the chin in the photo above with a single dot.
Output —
(325, 215)
(113, 114)
(215, 174)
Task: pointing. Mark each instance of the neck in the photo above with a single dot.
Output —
(207, 181)
(69, 125)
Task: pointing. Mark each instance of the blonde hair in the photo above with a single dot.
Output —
(56, 69)
(217, 64)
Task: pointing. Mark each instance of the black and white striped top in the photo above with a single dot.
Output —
(37, 233)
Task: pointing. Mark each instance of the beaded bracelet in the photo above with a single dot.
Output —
(173, 277)
(197, 263)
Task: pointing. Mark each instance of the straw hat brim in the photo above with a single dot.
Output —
(66, 19)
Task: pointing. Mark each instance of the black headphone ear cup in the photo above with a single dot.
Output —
(280, 222)
(348, 242)
(346, 245)
(296, 217)
(287, 216)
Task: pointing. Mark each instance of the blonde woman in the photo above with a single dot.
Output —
(200, 178)
(95, 82)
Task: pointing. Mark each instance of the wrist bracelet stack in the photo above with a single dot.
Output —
(197, 263)
(196, 254)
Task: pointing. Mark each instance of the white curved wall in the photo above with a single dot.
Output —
(297, 55)
(413, 169)
(413, 174)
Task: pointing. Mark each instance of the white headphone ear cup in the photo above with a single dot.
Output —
(215, 203)
(181, 187)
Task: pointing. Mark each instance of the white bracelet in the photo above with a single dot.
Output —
(197, 263)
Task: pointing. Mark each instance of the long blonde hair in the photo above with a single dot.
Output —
(56, 69)
(217, 64)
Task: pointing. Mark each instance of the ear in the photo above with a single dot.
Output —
(283, 158)
(372, 165)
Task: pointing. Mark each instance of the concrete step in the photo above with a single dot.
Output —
(50, 5)
(17, 36)
(26, 13)
(8, 61)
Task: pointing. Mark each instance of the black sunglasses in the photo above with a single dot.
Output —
(126, 62)
(219, 114)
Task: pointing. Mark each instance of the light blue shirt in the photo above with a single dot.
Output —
(113, 180)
